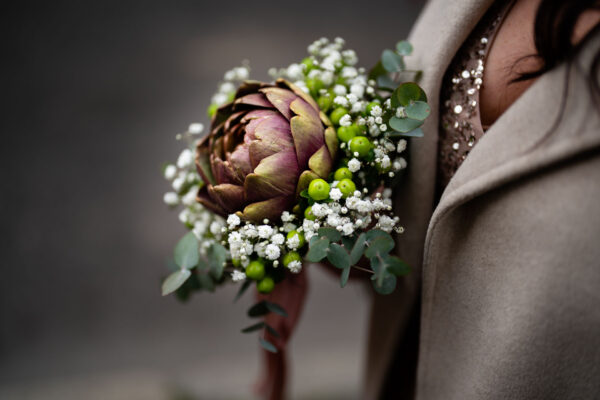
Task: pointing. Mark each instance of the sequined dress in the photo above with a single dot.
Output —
(460, 124)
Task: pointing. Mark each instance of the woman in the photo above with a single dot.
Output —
(502, 201)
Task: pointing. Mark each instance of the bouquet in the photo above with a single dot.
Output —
(295, 171)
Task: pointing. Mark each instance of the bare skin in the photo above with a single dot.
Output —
(515, 40)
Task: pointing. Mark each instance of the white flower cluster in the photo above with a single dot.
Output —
(247, 241)
(231, 81)
(185, 183)
(358, 212)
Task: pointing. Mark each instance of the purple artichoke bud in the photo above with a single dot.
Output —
(263, 149)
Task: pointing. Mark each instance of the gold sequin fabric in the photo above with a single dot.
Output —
(460, 125)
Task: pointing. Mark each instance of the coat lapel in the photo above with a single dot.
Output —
(436, 38)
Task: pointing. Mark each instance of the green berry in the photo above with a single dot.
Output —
(324, 102)
(342, 173)
(345, 133)
(308, 214)
(308, 64)
(212, 109)
(293, 233)
(236, 262)
(371, 105)
(314, 85)
(255, 270)
(318, 189)
(266, 285)
(360, 145)
(337, 114)
(291, 256)
(347, 187)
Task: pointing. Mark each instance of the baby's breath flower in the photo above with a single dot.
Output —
(339, 90)
(272, 252)
(353, 165)
(278, 239)
(170, 171)
(233, 221)
(335, 194)
(238, 276)
(401, 146)
(376, 111)
(295, 266)
(346, 120)
(185, 159)
(171, 199)
(265, 231)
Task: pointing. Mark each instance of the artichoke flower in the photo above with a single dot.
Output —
(264, 148)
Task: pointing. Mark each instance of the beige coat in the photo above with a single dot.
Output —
(507, 266)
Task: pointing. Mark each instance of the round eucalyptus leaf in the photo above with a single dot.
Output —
(318, 250)
(404, 48)
(418, 110)
(396, 266)
(386, 82)
(404, 125)
(392, 61)
(358, 249)
(375, 233)
(332, 234)
(216, 255)
(387, 284)
(381, 245)
(409, 92)
(175, 280)
(186, 251)
(345, 276)
(338, 256)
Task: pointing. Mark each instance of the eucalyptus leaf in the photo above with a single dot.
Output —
(387, 284)
(275, 308)
(258, 310)
(386, 82)
(396, 266)
(380, 246)
(345, 276)
(404, 48)
(408, 92)
(242, 289)
(358, 249)
(338, 257)
(404, 125)
(313, 240)
(377, 71)
(417, 132)
(253, 328)
(175, 280)
(348, 242)
(304, 194)
(267, 345)
(206, 281)
(186, 251)
(318, 250)
(332, 234)
(418, 110)
(375, 233)
(216, 255)
(391, 61)
(272, 330)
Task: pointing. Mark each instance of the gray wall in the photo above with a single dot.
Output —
(93, 94)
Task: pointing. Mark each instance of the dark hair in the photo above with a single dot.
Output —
(554, 25)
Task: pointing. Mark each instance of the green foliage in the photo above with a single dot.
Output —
(242, 290)
(386, 285)
(404, 125)
(406, 93)
(418, 110)
(338, 257)
(253, 328)
(380, 245)
(186, 251)
(175, 280)
(318, 250)
(396, 266)
(258, 310)
(392, 61)
(358, 249)
(417, 132)
(345, 276)
(404, 48)
(267, 345)
(216, 256)
(332, 234)
(275, 308)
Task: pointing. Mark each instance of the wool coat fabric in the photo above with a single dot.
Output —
(505, 287)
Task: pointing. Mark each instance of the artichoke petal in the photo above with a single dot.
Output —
(207, 201)
(275, 175)
(271, 209)
(305, 179)
(254, 99)
(298, 92)
(331, 141)
(229, 197)
(307, 133)
(321, 162)
(281, 100)
(273, 135)
(240, 160)
(203, 163)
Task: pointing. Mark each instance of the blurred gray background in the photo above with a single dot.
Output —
(93, 94)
